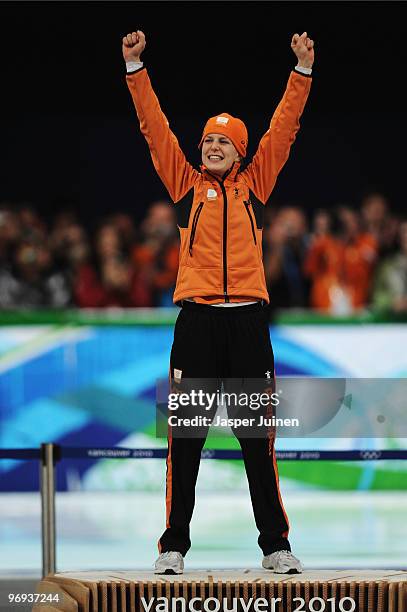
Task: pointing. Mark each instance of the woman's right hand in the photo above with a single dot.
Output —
(133, 46)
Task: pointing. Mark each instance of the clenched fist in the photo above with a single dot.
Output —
(303, 48)
(133, 46)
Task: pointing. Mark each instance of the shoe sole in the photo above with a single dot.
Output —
(291, 571)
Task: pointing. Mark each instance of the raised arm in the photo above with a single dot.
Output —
(274, 147)
(169, 161)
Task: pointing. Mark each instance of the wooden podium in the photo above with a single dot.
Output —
(143, 591)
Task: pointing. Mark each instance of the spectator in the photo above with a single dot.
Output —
(322, 224)
(112, 279)
(390, 283)
(285, 247)
(30, 282)
(341, 266)
(156, 253)
(359, 250)
(32, 226)
(10, 233)
(374, 210)
(380, 223)
(69, 243)
(125, 226)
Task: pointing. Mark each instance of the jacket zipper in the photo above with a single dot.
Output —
(225, 238)
(225, 233)
(194, 226)
(247, 204)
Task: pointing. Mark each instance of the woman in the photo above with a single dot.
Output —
(222, 330)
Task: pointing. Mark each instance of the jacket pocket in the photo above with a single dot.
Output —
(194, 226)
(247, 207)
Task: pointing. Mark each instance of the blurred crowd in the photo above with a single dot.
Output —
(338, 260)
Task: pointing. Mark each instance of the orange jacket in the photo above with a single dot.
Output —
(220, 221)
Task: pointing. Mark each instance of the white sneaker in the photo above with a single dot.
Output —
(282, 562)
(169, 563)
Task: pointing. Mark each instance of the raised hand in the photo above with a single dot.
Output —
(303, 47)
(133, 46)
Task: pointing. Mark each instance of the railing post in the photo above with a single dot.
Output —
(47, 478)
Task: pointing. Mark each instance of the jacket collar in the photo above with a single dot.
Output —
(228, 177)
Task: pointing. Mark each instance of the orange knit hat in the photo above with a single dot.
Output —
(229, 126)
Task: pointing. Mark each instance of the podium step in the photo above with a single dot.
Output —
(240, 590)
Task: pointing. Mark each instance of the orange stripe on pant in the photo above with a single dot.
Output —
(168, 496)
(272, 451)
(168, 479)
(285, 534)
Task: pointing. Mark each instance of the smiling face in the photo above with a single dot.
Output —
(218, 154)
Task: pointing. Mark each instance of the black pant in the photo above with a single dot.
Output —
(217, 343)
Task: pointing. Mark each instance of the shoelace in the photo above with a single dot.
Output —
(171, 554)
(285, 556)
(285, 553)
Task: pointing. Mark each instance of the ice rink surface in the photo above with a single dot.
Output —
(119, 530)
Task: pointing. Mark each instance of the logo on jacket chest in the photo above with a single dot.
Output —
(211, 194)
